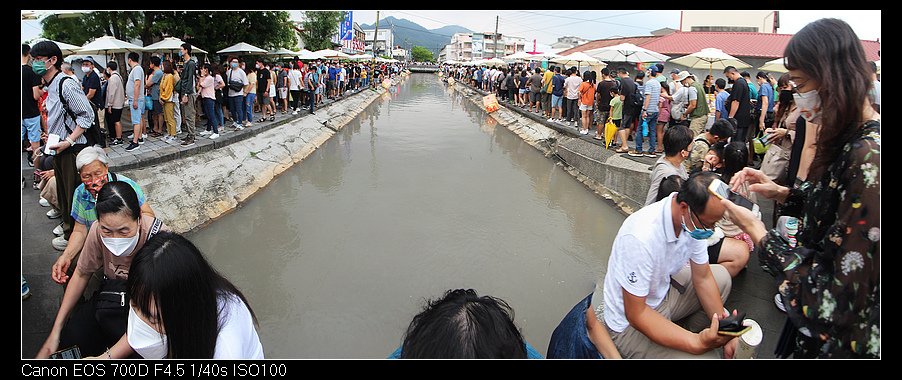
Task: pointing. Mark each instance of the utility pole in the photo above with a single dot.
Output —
(375, 38)
(496, 36)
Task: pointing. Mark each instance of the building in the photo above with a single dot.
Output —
(568, 42)
(473, 46)
(384, 41)
(400, 54)
(730, 21)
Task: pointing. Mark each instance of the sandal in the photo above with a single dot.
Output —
(272, 117)
(622, 151)
(598, 137)
(262, 119)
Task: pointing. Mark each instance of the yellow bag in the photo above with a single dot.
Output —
(610, 130)
(386, 84)
(490, 103)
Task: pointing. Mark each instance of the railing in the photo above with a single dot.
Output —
(423, 68)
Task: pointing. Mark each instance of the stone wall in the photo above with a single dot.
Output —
(192, 191)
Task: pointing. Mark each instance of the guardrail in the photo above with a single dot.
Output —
(423, 68)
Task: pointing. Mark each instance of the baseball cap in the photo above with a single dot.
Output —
(654, 69)
(675, 71)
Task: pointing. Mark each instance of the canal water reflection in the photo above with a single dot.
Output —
(421, 193)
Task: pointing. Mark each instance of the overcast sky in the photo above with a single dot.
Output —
(547, 26)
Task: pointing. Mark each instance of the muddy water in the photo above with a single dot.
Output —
(421, 193)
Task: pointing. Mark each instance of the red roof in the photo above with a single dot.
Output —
(737, 44)
(638, 41)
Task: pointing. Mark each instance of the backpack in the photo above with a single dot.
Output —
(101, 96)
(636, 100)
(93, 134)
(510, 81)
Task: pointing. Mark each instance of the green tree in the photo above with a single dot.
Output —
(421, 54)
(211, 31)
(319, 26)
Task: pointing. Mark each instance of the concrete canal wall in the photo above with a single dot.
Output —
(191, 191)
(623, 181)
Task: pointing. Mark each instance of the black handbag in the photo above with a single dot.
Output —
(235, 85)
(111, 307)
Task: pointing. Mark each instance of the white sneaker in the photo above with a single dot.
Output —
(59, 243)
(58, 230)
(294, 113)
(131, 136)
(43, 202)
(239, 127)
(214, 136)
(550, 120)
(205, 133)
(778, 300)
(235, 125)
(248, 124)
(53, 214)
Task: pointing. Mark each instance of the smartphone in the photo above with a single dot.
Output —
(722, 191)
(733, 326)
(51, 140)
(70, 353)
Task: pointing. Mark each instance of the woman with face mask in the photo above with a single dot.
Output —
(120, 230)
(829, 269)
(214, 322)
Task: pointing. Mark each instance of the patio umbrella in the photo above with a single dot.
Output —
(242, 48)
(329, 53)
(171, 44)
(495, 62)
(307, 55)
(578, 57)
(710, 58)
(542, 57)
(66, 48)
(517, 56)
(281, 52)
(626, 52)
(775, 65)
(108, 44)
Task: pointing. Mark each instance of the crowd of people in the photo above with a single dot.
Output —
(671, 265)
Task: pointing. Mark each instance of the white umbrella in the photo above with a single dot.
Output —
(329, 53)
(542, 57)
(495, 62)
(362, 57)
(517, 56)
(66, 48)
(242, 48)
(775, 65)
(579, 57)
(710, 58)
(380, 59)
(626, 52)
(108, 44)
(171, 44)
(307, 55)
(281, 52)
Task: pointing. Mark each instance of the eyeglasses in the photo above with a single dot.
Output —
(699, 221)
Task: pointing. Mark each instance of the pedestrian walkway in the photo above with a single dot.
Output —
(154, 151)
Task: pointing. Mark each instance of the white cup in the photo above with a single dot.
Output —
(749, 342)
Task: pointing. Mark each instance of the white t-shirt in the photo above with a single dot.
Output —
(571, 87)
(646, 252)
(237, 337)
(294, 80)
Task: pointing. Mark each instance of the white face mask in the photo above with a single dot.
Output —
(146, 341)
(120, 246)
(85, 69)
(808, 101)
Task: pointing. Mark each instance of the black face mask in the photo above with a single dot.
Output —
(785, 96)
(730, 81)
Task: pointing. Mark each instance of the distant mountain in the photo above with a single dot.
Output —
(408, 33)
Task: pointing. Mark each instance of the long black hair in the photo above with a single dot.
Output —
(463, 325)
(828, 50)
(171, 273)
(735, 155)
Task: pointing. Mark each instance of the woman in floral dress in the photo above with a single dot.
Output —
(829, 273)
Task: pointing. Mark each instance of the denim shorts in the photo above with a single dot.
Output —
(33, 127)
(557, 101)
(136, 113)
(523, 90)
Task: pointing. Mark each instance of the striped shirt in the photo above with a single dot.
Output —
(78, 104)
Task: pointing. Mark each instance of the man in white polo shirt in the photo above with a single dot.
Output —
(637, 302)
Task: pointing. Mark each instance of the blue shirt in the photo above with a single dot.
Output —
(768, 91)
(83, 202)
(557, 85)
(652, 93)
(333, 72)
(531, 352)
(753, 92)
(720, 104)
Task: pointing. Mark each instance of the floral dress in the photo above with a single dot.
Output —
(830, 281)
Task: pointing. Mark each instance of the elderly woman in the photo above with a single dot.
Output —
(93, 168)
(120, 231)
